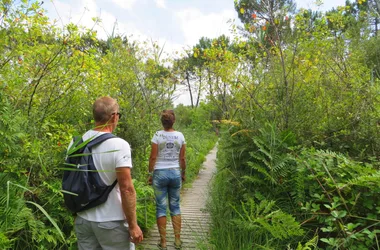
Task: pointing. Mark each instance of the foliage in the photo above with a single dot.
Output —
(270, 158)
(331, 196)
(311, 244)
(341, 196)
(197, 119)
(253, 174)
(145, 206)
(312, 80)
(12, 133)
(264, 217)
(21, 227)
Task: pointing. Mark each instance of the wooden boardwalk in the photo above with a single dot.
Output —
(195, 218)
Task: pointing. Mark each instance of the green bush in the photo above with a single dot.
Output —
(340, 198)
(24, 224)
(333, 197)
(13, 134)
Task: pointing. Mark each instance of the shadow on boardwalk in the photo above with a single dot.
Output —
(195, 218)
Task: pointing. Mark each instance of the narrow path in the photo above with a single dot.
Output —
(195, 218)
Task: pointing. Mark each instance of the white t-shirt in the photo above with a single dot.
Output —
(169, 146)
(106, 162)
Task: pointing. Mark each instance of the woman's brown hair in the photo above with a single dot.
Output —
(167, 119)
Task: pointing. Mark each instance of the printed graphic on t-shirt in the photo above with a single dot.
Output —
(169, 150)
(169, 146)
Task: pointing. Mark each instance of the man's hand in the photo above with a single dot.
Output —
(136, 235)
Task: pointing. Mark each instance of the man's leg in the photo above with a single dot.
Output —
(85, 235)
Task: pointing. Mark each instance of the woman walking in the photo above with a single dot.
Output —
(167, 167)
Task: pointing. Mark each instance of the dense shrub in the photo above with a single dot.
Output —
(324, 197)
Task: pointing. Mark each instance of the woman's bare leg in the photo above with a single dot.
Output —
(176, 221)
(161, 224)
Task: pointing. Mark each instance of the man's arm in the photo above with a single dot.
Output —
(128, 201)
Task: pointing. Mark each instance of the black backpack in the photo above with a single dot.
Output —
(82, 186)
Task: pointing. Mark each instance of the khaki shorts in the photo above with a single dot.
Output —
(110, 235)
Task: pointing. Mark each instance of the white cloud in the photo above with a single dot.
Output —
(160, 4)
(195, 24)
(125, 4)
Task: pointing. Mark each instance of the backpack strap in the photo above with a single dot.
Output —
(100, 139)
(114, 184)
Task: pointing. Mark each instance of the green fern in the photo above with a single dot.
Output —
(5, 243)
(12, 125)
(262, 218)
(20, 225)
(365, 181)
(271, 158)
(311, 244)
(13, 211)
(254, 179)
(299, 179)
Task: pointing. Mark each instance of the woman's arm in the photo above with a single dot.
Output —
(152, 161)
(153, 157)
(182, 161)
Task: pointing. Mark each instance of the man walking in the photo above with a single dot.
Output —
(113, 224)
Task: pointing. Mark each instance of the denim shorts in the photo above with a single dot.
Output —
(167, 183)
